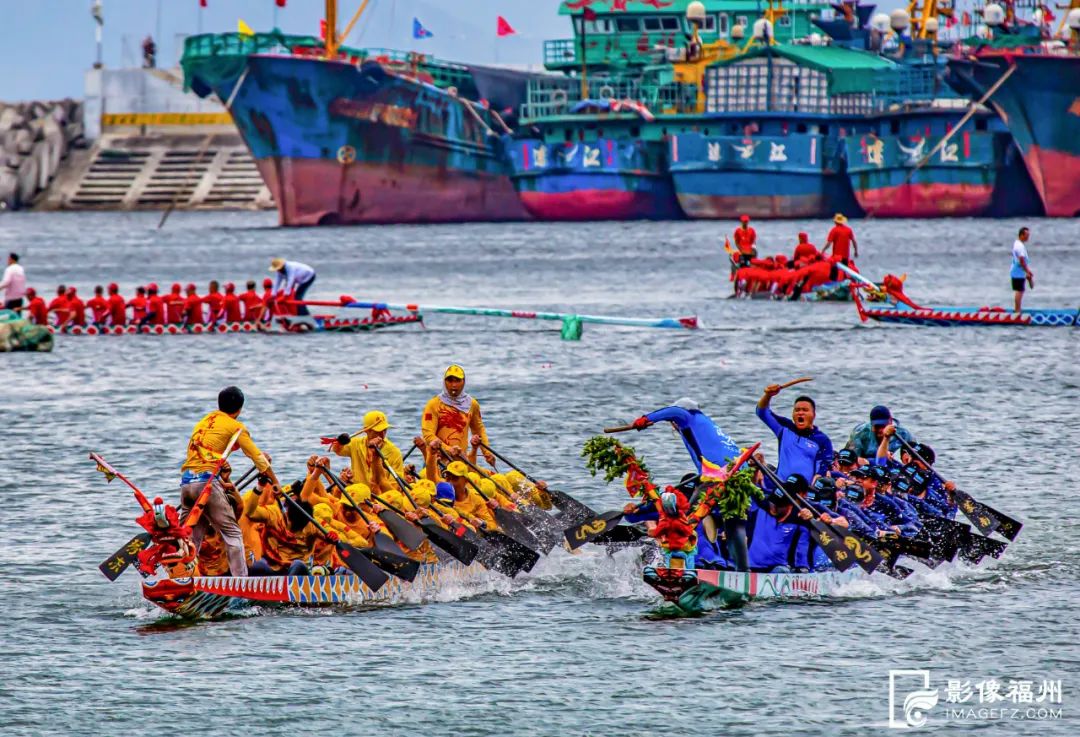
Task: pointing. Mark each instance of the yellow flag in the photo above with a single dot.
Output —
(243, 28)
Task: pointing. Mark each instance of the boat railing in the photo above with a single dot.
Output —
(558, 95)
(607, 49)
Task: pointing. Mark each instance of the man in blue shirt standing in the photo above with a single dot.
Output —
(802, 447)
(866, 438)
(293, 279)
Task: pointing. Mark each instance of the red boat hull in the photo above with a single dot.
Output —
(933, 200)
(1054, 174)
(325, 192)
(592, 204)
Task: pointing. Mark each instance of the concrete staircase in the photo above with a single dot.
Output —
(196, 170)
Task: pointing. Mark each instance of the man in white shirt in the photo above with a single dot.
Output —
(13, 283)
(293, 279)
(1020, 271)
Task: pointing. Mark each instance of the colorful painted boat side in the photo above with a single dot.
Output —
(282, 324)
(969, 316)
(696, 591)
(1040, 104)
(344, 142)
(207, 597)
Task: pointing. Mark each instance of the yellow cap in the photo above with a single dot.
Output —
(501, 481)
(277, 264)
(840, 219)
(376, 420)
(457, 468)
(322, 513)
(474, 477)
(515, 478)
(423, 484)
(454, 371)
(487, 486)
(359, 492)
(423, 496)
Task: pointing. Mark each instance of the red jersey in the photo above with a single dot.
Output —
(841, 237)
(215, 301)
(174, 304)
(745, 239)
(100, 307)
(138, 308)
(61, 307)
(117, 309)
(39, 313)
(155, 306)
(78, 310)
(232, 308)
(193, 310)
(252, 304)
(805, 252)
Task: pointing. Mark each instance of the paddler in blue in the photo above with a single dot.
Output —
(703, 438)
(802, 447)
(925, 484)
(880, 508)
(781, 535)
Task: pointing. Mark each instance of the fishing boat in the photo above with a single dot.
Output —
(942, 316)
(208, 597)
(1033, 84)
(279, 324)
(343, 135)
(697, 591)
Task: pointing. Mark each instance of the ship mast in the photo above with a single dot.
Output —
(330, 20)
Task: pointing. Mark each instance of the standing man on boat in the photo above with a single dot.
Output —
(1021, 270)
(745, 239)
(802, 448)
(842, 241)
(208, 441)
(13, 283)
(364, 461)
(448, 417)
(293, 280)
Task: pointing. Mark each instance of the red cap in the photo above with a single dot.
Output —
(151, 287)
(268, 282)
(230, 287)
(71, 290)
(30, 292)
(176, 286)
(113, 287)
(191, 287)
(744, 218)
(803, 236)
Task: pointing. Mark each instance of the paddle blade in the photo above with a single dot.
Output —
(362, 566)
(507, 555)
(621, 534)
(394, 563)
(512, 526)
(864, 553)
(543, 526)
(457, 547)
(409, 534)
(569, 505)
(589, 530)
(125, 556)
(832, 545)
(979, 514)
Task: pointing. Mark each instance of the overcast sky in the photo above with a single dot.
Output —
(47, 45)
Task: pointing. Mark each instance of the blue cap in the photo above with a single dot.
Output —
(444, 492)
(880, 416)
(879, 474)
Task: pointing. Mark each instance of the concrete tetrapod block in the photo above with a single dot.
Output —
(9, 185)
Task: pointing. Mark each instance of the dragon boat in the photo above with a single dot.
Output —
(910, 314)
(696, 591)
(209, 597)
(280, 324)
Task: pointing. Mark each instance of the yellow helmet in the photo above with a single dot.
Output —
(423, 495)
(457, 468)
(322, 513)
(426, 484)
(501, 481)
(488, 487)
(515, 478)
(474, 477)
(359, 492)
(453, 371)
(376, 420)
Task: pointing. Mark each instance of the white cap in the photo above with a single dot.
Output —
(688, 404)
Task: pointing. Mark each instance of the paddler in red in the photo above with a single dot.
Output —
(77, 308)
(193, 311)
(155, 305)
(268, 299)
(36, 310)
(805, 251)
(842, 241)
(745, 239)
(138, 306)
(174, 305)
(231, 304)
(117, 306)
(59, 305)
(99, 306)
(253, 304)
(215, 304)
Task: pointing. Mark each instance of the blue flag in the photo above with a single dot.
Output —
(418, 30)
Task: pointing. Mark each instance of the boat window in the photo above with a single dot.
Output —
(670, 23)
(628, 25)
(723, 27)
(981, 124)
(651, 24)
(600, 25)
(784, 21)
(744, 21)
(708, 24)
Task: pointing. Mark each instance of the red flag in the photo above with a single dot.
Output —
(322, 29)
(280, 3)
(202, 3)
(589, 13)
(503, 28)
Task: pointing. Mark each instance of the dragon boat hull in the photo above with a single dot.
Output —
(969, 316)
(696, 591)
(207, 597)
(282, 325)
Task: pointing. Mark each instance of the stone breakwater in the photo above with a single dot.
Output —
(34, 138)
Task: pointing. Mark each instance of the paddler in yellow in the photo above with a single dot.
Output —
(360, 450)
(205, 448)
(449, 416)
(288, 536)
(466, 500)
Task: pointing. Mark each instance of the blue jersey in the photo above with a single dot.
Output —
(808, 454)
(775, 543)
(897, 514)
(700, 434)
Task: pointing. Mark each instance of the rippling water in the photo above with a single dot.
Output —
(573, 647)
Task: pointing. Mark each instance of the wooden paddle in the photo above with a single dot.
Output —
(119, 561)
(497, 551)
(566, 503)
(409, 535)
(795, 382)
(509, 522)
(354, 558)
(385, 552)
